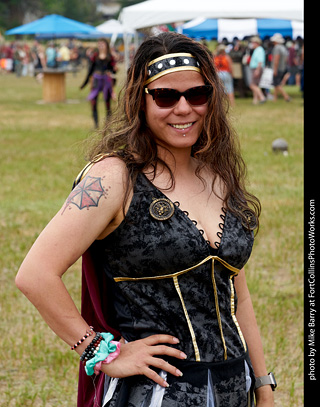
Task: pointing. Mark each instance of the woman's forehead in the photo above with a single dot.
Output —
(178, 80)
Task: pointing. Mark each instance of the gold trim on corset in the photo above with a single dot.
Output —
(234, 315)
(193, 336)
(175, 276)
(234, 270)
(218, 310)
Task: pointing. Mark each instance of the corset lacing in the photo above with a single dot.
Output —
(201, 231)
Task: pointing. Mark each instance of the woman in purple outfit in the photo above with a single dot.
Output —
(102, 67)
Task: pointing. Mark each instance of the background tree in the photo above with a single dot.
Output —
(13, 12)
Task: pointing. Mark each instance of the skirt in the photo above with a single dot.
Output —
(203, 384)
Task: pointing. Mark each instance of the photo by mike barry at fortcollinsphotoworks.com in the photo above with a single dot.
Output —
(310, 297)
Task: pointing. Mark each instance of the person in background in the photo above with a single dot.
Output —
(257, 63)
(19, 55)
(165, 225)
(293, 73)
(102, 67)
(39, 60)
(223, 63)
(63, 55)
(236, 54)
(279, 66)
(51, 55)
(7, 57)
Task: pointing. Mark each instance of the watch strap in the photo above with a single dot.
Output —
(265, 380)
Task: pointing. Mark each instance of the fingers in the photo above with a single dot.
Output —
(151, 374)
(168, 351)
(160, 338)
(163, 365)
(162, 349)
(159, 363)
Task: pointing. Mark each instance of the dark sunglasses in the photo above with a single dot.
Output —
(166, 97)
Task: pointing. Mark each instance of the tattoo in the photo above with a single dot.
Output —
(87, 193)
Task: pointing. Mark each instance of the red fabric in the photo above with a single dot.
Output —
(94, 311)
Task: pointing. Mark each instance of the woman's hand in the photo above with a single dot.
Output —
(136, 358)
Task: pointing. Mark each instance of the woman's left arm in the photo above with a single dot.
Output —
(249, 327)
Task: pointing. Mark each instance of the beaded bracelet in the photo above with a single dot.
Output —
(92, 348)
(88, 333)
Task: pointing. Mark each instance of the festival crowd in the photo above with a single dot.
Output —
(235, 60)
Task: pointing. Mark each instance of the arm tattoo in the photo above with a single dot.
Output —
(86, 194)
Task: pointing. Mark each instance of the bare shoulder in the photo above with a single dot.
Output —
(110, 167)
(105, 179)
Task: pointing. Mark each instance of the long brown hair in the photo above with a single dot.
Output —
(217, 148)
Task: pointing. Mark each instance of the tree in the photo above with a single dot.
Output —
(13, 12)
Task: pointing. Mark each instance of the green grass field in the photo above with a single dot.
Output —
(41, 153)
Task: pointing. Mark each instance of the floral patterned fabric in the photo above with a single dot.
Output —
(203, 297)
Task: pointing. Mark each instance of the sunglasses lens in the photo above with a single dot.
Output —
(169, 97)
(198, 96)
(166, 97)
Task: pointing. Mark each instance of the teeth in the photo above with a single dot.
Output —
(181, 126)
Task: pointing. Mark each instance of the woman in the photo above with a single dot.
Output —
(165, 232)
(101, 68)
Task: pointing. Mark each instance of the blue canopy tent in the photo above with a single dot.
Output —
(50, 27)
(53, 26)
(230, 28)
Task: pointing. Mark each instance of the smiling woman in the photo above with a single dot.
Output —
(172, 177)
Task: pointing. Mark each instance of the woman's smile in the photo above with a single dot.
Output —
(181, 126)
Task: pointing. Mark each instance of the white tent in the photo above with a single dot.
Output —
(114, 27)
(229, 28)
(155, 12)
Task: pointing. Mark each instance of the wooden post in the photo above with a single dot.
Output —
(54, 86)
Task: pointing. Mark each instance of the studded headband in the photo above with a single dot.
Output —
(171, 63)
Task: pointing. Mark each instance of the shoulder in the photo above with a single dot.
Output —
(104, 174)
(98, 196)
(112, 172)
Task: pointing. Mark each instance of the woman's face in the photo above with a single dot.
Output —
(180, 126)
(102, 46)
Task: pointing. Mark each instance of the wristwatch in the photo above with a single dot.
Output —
(264, 380)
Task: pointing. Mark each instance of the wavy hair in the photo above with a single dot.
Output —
(217, 148)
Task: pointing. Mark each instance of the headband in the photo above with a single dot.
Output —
(171, 63)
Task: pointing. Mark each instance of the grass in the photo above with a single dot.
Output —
(41, 152)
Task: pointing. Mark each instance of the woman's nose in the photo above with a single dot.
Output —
(182, 107)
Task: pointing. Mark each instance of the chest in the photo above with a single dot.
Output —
(203, 208)
(144, 242)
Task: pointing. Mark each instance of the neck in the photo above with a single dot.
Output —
(180, 162)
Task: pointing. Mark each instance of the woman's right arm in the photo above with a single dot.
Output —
(92, 210)
(87, 213)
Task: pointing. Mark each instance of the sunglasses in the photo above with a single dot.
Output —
(166, 97)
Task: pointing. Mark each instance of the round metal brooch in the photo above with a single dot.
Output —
(161, 209)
